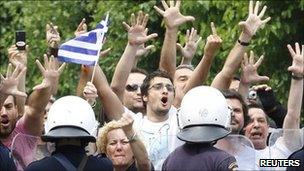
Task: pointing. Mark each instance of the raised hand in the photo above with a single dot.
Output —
(90, 93)
(18, 57)
(297, 66)
(172, 16)
(126, 122)
(52, 35)
(142, 50)
(50, 72)
(137, 31)
(192, 41)
(249, 70)
(9, 84)
(82, 28)
(213, 42)
(254, 20)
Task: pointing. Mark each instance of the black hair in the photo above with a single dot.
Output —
(258, 106)
(190, 67)
(139, 70)
(146, 83)
(232, 94)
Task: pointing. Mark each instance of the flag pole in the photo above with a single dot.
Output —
(96, 62)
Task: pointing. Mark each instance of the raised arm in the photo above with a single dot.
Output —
(292, 119)
(142, 50)
(173, 18)
(188, 51)
(138, 148)
(52, 39)
(19, 57)
(250, 74)
(136, 36)
(34, 113)
(8, 85)
(201, 71)
(233, 61)
(111, 104)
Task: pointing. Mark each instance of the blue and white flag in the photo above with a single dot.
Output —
(84, 49)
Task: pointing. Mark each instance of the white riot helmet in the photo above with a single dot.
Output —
(204, 116)
(70, 117)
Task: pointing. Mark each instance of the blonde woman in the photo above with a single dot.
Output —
(120, 143)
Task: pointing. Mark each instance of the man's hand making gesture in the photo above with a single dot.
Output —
(52, 36)
(188, 51)
(297, 67)
(8, 85)
(137, 33)
(254, 21)
(50, 72)
(172, 16)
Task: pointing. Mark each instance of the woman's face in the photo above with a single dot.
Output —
(118, 148)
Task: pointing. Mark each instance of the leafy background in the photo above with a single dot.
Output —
(285, 27)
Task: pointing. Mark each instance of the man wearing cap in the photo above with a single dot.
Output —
(71, 125)
(204, 117)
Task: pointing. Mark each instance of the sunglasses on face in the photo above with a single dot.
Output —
(160, 86)
(132, 87)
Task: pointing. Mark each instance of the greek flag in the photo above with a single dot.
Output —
(84, 49)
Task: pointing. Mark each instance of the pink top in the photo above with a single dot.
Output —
(22, 145)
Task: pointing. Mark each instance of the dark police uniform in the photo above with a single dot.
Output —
(75, 155)
(6, 161)
(199, 157)
(298, 155)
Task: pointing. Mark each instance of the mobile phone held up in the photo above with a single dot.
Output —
(20, 40)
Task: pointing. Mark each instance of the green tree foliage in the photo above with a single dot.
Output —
(286, 26)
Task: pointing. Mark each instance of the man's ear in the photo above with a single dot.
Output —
(145, 98)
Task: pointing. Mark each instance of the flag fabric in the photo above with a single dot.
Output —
(85, 48)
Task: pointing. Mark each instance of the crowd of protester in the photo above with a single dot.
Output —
(165, 120)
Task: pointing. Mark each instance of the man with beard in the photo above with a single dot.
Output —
(21, 135)
(239, 117)
(8, 88)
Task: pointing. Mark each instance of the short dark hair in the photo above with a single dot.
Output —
(139, 70)
(190, 67)
(232, 94)
(258, 106)
(146, 83)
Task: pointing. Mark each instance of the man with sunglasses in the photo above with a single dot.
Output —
(132, 98)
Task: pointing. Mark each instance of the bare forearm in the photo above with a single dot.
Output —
(200, 73)
(168, 53)
(111, 103)
(292, 118)
(185, 61)
(20, 101)
(243, 89)
(123, 70)
(233, 61)
(140, 153)
(84, 78)
(34, 113)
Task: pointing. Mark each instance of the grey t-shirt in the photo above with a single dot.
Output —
(199, 157)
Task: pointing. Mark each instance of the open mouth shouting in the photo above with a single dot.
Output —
(4, 121)
(164, 101)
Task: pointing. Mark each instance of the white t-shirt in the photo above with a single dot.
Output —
(159, 137)
(276, 151)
